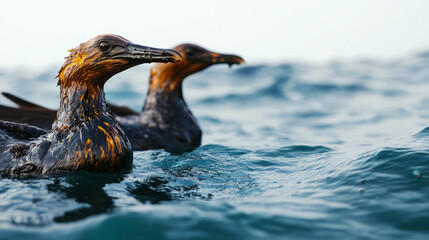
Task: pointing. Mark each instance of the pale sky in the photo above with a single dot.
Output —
(37, 33)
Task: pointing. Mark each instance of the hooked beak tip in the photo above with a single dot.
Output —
(176, 56)
(240, 60)
(234, 59)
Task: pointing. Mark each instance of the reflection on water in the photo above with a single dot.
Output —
(153, 191)
(87, 189)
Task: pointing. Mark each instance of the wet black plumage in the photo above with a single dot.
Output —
(85, 134)
(165, 122)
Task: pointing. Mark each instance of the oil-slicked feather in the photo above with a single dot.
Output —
(85, 134)
(122, 111)
(40, 117)
(166, 122)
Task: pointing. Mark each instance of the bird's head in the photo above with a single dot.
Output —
(195, 59)
(95, 61)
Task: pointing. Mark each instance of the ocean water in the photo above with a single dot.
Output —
(290, 151)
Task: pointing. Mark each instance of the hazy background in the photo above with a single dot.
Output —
(38, 33)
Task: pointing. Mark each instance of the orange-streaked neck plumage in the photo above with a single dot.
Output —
(87, 65)
(85, 135)
(165, 106)
(81, 80)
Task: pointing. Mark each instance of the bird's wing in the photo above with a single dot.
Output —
(21, 102)
(42, 118)
(122, 111)
(21, 130)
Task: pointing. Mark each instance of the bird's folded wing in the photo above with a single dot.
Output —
(42, 118)
(122, 111)
(21, 130)
(21, 102)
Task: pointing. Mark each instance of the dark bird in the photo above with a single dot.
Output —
(84, 135)
(165, 122)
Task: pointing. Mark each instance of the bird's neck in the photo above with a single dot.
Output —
(79, 103)
(161, 99)
(166, 81)
(165, 88)
(164, 100)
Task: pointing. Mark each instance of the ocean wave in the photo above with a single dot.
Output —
(294, 150)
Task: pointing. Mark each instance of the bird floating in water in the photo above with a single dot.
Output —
(84, 135)
(165, 122)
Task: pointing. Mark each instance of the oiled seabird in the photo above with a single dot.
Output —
(165, 122)
(84, 135)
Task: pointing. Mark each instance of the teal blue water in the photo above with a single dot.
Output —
(291, 151)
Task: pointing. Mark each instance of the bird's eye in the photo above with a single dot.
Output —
(104, 46)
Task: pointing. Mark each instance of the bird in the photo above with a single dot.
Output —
(165, 122)
(85, 135)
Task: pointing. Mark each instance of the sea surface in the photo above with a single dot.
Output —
(335, 150)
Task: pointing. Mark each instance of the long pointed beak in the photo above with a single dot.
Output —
(216, 58)
(144, 54)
